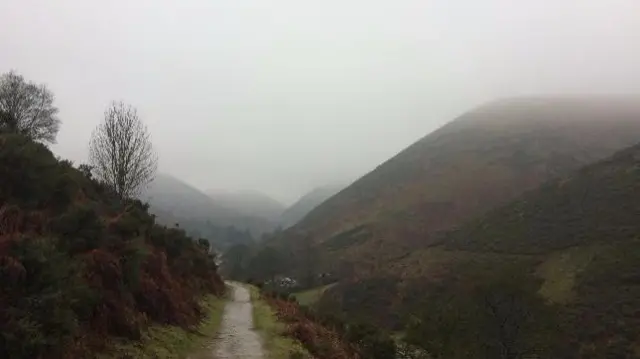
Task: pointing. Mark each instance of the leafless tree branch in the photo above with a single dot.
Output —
(27, 108)
(121, 152)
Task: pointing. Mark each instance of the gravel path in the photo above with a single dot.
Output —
(236, 338)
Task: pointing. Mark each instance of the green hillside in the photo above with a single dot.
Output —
(81, 267)
(483, 159)
(597, 204)
(415, 241)
(559, 267)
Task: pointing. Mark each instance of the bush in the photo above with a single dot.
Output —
(79, 265)
(328, 336)
(43, 299)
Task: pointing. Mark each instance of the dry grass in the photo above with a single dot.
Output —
(172, 342)
(311, 296)
(276, 344)
(560, 271)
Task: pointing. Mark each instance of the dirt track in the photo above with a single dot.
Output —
(236, 338)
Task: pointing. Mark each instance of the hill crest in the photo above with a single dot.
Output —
(173, 200)
(479, 161)
(306, 203)
(249, 203)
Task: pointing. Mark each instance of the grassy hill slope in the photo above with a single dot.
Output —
(559, 266)
(79, 266)
(249, 203)
(306, 204)
(586, 206)
(175, 201)
(481, 160)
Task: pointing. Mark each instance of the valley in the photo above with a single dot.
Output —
(320, 180)
(518, 219)
(537, 218)
(534, 245)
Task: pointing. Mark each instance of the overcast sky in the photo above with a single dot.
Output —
(285, 95)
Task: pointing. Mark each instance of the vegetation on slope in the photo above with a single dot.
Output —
(306, 204)
(398, 241)
(487, 310)
(79, 265)
(276, 343)
(554, 273)
(311, 296)
(482, 160)
(419, 240)
(175, 201)
(221, 237)
(173, 342)
(250, 203)
(597, 204)
(326, 336)
(253, 263)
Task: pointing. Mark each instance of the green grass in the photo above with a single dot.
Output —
(311, 296)
(265, 321)
(171, 342)
(560, 271)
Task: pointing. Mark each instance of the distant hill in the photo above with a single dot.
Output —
(249, 203)
(221, 236)
(306, 203)
(171, 194)
(175, 201)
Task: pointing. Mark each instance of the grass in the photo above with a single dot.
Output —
(311, 296)
(265, 321)
(172, 342)
(560, 271)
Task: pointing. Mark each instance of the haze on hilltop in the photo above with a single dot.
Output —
(285, 96)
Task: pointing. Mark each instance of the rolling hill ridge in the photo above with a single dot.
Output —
(306, 204)
(249, 203)
(481, 160)
(176, 202)
(574, 243)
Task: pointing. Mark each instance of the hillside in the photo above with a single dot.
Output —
(249, 203)
(597, 204)
(171, 194)
(306, 203)
(220, 236)
(80, 267)
(175, 201)
(567, 252)
(479, 161)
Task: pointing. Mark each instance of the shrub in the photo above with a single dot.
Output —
(79, 265)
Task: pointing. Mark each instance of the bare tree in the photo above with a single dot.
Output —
(27, 108)
(121, 152)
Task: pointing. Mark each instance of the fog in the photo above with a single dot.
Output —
(281, 96)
